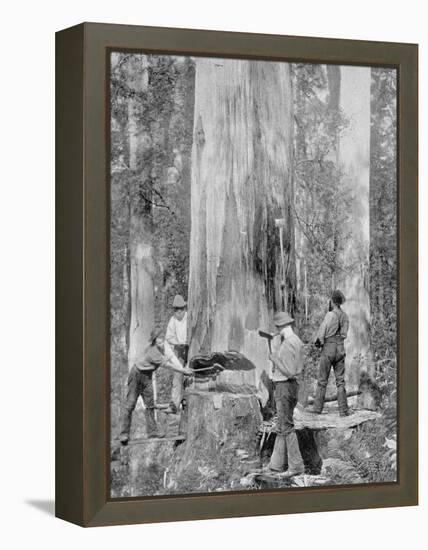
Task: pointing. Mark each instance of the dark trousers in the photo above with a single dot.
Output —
(333, 355)
(285, 394)
(139, 383)
(181, 351)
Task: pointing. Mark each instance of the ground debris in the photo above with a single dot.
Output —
(265, 478)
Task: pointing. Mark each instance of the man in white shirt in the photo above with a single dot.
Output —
(176, 341)
(287, 366)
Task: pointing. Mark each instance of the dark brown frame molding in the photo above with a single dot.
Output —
(82, 272)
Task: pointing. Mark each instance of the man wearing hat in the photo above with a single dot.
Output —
(176, 341)
(287, 364)
(140, 382)
(331, 336)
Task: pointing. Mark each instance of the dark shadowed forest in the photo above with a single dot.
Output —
(248, 188)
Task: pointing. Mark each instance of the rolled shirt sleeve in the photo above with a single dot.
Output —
(288, 359)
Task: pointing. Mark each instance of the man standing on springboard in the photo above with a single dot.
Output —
(331, 336)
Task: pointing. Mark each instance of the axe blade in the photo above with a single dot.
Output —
(265, 334)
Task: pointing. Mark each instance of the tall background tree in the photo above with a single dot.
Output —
(332, 114)
(322, 201)
(383, 218)
(152, 101)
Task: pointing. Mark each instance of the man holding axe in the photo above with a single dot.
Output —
(287, 363)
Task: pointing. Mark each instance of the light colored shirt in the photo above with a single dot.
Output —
(153, 358)
(176, 331)
(335, 322)
(287, 352)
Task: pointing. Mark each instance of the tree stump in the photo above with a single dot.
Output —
(139, 469)
(220, 444)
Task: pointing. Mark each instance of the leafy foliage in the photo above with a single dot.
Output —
(322, 196)
(383, 214)
(151, 138)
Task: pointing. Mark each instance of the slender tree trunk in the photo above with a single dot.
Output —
(383, 229)
(334, 87)
(241, 183)
(354, 159)
(306, 291)
(333, 107)
(140, 232)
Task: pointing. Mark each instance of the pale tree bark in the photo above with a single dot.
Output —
(140, 234)
(383, 229)
(354, 157)
(241, 183)
(333, 106)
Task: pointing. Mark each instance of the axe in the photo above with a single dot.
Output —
(268, 337)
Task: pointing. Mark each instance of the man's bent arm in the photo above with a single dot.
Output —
(323, 328)
(172, 363)
(280, 365)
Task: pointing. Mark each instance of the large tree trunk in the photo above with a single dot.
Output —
(241, 182)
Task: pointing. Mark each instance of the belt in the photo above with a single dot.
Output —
(283, 381)
(333, 340)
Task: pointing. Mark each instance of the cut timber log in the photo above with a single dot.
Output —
(327, 420)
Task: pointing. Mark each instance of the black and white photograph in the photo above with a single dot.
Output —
(253, 274)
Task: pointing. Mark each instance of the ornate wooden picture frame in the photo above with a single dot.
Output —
(83, 276)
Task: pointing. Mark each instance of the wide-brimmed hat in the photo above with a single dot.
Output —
(154, 333)
(338, 297)
(282, 318)
(178, 302)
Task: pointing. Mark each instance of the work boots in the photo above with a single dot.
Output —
(287, 444)
(319, 400)
(342, 402)
(295, 460)
(277, 460)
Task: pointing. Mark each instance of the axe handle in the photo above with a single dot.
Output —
(211, 367)
(268, 337)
